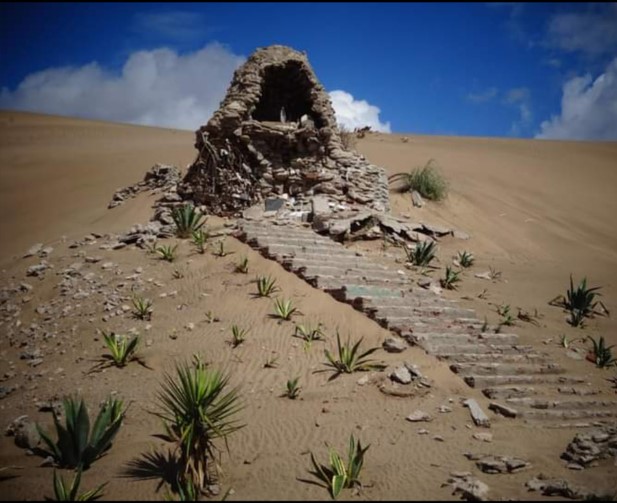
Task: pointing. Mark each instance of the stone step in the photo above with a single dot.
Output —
(340, 272)
(505, 392)
(329, 283)
(347, 262)
(557, 415)
(503, 349)
(489, 381)
(482, 369)
(549, 403)
(409, 300)
(282, 250)
(577, 390)
(442, 338)
(493, 357)
(428, 311)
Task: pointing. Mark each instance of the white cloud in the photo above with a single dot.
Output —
(178, 25)
(155, 88)
(352, 113)
(588, 109)
(519, 97)
(484, 96)
(592, 32)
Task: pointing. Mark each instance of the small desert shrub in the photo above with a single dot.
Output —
(238, 335)
(243, 265)
(292, 390)
(266, 286)
(427, 180)
(142, 308)
(601, 354)
(200, 237)
(494, 274)
(348, 138)
(580, 301)
(198, 408)
(422, 254)
(338, 476)
(167, 252)
(271, 362)
(309, 333)
(121, 348)
(284, 309)
(506, 317)
(450, 279)
(465, 259)
(187, 220)
(77, 445)
(350, 359)
(63, 492)
(222, 252)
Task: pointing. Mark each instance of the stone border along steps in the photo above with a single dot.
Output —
(522, 382)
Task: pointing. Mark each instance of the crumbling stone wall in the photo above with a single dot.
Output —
(275, 133)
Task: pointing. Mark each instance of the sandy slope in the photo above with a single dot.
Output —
(536, 211)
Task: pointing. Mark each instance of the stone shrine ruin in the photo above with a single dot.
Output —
(275, 134)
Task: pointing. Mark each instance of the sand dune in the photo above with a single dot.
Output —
(535, 210)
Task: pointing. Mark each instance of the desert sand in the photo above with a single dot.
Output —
(536, 211)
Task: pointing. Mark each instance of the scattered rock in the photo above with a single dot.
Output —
(483, 436)
(33, 250)
(401, 375)
(504, 410)
(591, 446)
(469, 487)
(497, 464)
(477, 414)
(419, 416)
(557, 487)
(416, 199)
(395, 345)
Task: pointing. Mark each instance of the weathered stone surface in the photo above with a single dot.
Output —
(33, 250)
(416, 199)
(160, 176)
(276, 133)
(557, 487)
(504, 410)
(401, 375)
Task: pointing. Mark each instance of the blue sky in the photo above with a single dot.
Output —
(472, 69)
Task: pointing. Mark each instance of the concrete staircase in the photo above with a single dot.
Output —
(519, 381)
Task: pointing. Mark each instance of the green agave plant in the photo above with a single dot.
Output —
(167, 252)
(338, 475)
(187, 220)
(78, 446)
(142, 308)
(292, 390)
(198, 408)
(266, 286)
(284, 309)
(422, 254)
(465, 259)
(63, 492)
(601, 354)
(200, 237)
(350, 359)
(451, 278)
(580, 301)
(121, 348)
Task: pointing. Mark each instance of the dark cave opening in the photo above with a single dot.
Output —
(285, 86)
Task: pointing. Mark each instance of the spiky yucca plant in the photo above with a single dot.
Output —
(198, 408)
(422, 254)
(350, 359)
(77, 445)
(243, 266)
(266, 286)
(284, 309)
(338, 475)
(292, 390)
(200, 237)
(465, 259)
(580, 301)
(142, 307)
(238, 335)
(121, 348)
(601, 354)
(450, 279)
(167, 252)
(63, 492)
(187, 220)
